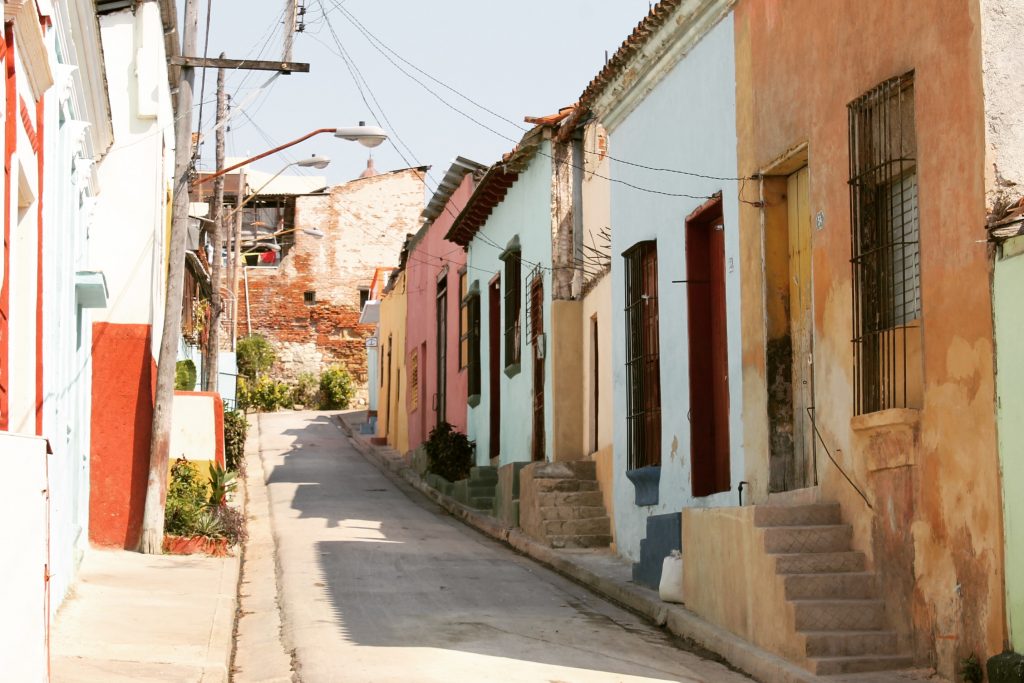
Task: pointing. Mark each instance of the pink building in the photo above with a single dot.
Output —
(436, 272)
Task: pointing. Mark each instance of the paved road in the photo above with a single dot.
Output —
(379, 584)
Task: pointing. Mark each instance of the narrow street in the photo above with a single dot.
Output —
(378, 584)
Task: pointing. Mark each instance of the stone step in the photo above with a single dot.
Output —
(808, 539)
(839, 615)
(846, 585)
(797, 515)
(572, 512)
(849, 643)
(577, 498)
(815, 563)
(564, 485)
(481, 503)
(477, 489)
(830, 666)
(589, 541)
(484, 474)
(578, 527)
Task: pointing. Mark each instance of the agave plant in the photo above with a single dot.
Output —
(222, 483)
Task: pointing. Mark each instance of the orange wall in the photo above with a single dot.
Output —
(123, 376)
(935, 531)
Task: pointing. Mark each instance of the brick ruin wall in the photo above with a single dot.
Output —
(365, 223)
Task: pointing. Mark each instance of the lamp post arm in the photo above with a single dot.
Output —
(275, 150)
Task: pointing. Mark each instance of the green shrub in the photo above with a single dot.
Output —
(336, 390)
(185, 375)
(243, 397)
(306, 391)
(254, 356)
(268, 395)
(449, 452)
(187, 495)
(236, 427)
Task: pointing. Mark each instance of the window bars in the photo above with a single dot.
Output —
(885, 254)
(534, 304)
(643, 367)
(472, 309)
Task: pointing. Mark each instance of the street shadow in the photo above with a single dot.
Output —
(399, 572)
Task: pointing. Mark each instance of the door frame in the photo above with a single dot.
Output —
(494, 366)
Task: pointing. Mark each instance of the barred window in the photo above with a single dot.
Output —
(885, 246)
(513, 307)
(471, 306)
(643, 365)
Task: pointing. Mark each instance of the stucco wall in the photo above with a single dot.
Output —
(597, 306)
(197, 428)
(934, 533)
(392, 417)
(702, 138)
(1002, 24)
(428, 257)
(365, 223)
(526, 212)
(1007, 284)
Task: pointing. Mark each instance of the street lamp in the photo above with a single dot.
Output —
(367, 136)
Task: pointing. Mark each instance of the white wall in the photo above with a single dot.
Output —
(526, 212)
(686, 122)
(129, 238)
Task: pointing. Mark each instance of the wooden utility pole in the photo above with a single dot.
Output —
(236, 261)
(152, 538)
(291, 16)
(211, 369)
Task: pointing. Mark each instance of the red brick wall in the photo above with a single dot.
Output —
(365, 223)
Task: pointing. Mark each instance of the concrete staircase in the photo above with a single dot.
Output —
(478, 490)
(836, 604)
(561, 505)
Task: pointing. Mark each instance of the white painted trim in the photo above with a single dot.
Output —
(672, 41)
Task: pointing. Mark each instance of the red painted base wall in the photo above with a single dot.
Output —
(123, 376)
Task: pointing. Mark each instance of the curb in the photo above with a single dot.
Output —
(740, 654)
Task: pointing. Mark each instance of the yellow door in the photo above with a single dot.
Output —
(801, 321)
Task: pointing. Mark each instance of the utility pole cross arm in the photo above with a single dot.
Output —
(256, 65)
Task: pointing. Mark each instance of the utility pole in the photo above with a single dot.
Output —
(152, 538)
(291, 18)
(236, 262)
(151, 541)
(211, 366)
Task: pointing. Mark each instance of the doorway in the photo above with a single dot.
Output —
(537, 345)
(494, 363)
(709, 359)
(790, 324)
(442, 349)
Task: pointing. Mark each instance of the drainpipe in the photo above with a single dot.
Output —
(248, 312)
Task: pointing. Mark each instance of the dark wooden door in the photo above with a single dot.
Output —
(494, 364)
(537, 346)
(442, 350)
(709, 362)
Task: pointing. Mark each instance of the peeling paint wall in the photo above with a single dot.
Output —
(934, 534)
(365, 224)
(1002, 25)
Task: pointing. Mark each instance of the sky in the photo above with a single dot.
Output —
(515, 57)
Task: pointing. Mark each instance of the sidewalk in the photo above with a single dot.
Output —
(611, 576)
(134, 617)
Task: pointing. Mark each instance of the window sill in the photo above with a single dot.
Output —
(513, 370)
(646, 482)
(473, 400)
(887, 438)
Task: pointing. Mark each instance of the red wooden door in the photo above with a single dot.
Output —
(709, 362)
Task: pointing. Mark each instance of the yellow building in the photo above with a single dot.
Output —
(392, 418)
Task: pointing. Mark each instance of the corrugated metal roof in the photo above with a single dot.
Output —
(451, 181)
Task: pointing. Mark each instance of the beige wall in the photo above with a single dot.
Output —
(933, 532)
(392, 418)
(566, 368)
(597, 306)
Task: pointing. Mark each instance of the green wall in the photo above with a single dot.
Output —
(1008, 287)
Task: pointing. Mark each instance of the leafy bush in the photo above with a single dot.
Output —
(336, 390)
(187, 495)
(185, 375)
(449, 452)
(236, 427)
(254, 356)
(306, 391)
(268, 395)
(191, 510)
